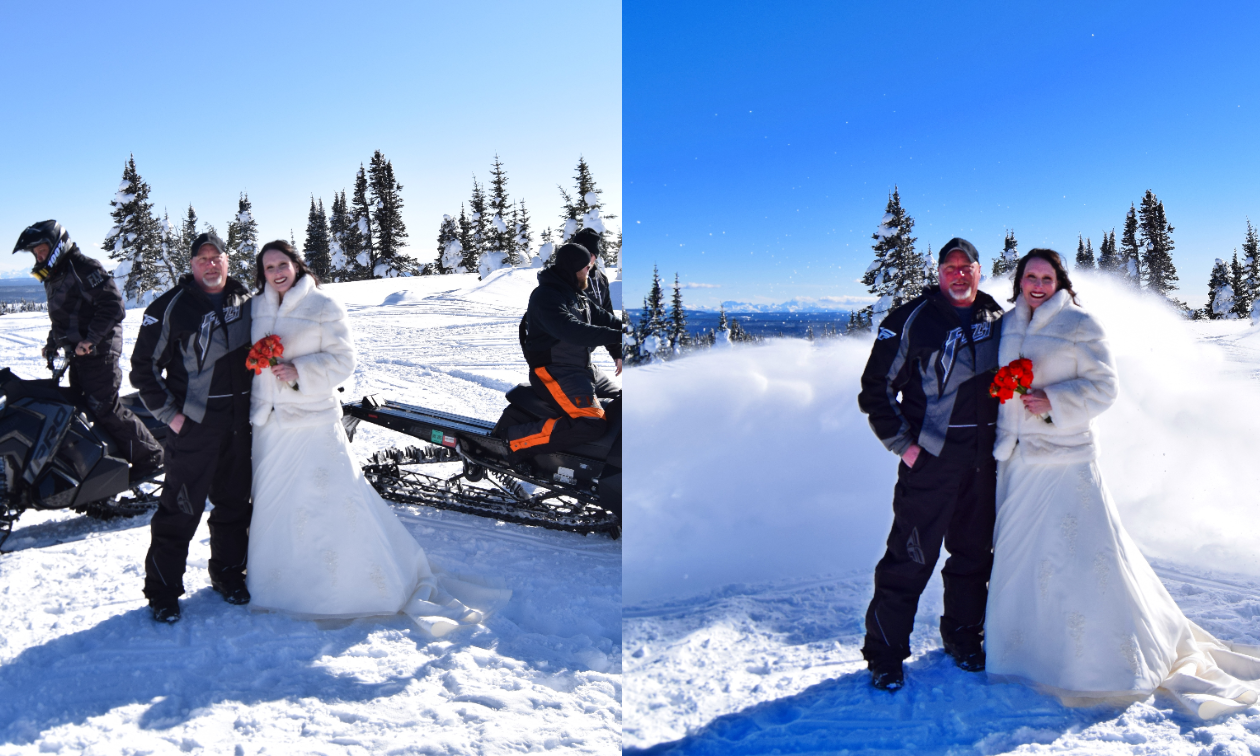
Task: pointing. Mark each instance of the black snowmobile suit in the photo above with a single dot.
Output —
(942, 369)
(84, 304)
(558, 332)
(190, 358)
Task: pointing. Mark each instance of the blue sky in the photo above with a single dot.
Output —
(762, 140)
(283, 100)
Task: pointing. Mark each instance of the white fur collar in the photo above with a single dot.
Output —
(292, 297)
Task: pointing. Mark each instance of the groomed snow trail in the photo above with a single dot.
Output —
(83, 669)
(746, 585)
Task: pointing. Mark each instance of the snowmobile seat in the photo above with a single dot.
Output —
(523, 396)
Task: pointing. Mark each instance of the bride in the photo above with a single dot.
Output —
(1074, 608)
(323, 544)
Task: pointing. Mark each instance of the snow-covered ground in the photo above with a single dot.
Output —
(83, 669)
(759, 502)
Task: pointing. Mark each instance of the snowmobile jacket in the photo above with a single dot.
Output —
(84, 304)
(561, 326)
(200, 348)
(597, 291)
(927, 379)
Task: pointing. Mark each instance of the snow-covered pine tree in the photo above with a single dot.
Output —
(1242, 294)
(1131, 267)
(583, 209)
(359, 248)
(468, 241)
(338, 220)
(1108, 260)
(1220, 293)
(172, 243)
(678, 336)
(242, 242)
(180, 256)
(318, 251)
(546, 249)
(389, 230)
(653, 326)
(524, 233)
(896, 275)
(501, 249)
(479, 218)
(1251, 263)
(136, 238)
(1156, 240)
(450, 251)
(722, 334)
(1005, 263)
(1084, 253)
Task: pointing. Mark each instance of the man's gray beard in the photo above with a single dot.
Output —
(970, 293)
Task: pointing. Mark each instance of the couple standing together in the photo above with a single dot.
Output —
(1043, 585)
(270, 453)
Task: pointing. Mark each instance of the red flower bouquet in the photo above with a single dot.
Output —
(265, 353)
(1015, 378)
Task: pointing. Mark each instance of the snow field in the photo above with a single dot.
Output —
(83, 669)
(760, 502)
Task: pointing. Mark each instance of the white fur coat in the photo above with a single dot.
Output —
(1072, 364)
(315, 332)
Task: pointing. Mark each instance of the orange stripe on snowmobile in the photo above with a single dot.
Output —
(562, 399)
(539, 438)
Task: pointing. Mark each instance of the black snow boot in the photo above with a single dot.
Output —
(887, 675)
(233, 593)
(165, 610)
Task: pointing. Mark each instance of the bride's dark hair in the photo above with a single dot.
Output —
(1060, 272)
(280, 245)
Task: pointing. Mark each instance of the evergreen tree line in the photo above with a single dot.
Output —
(1234, 286)
(1143, 256)
(493, 232)
(662, 334)
(22, 305)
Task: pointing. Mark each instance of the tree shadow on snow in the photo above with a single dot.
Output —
(942, 710)
(216, 653)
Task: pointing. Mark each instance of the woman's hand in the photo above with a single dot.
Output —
(1036, 402)
(284, 372)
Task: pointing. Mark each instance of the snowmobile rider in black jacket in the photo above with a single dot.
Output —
(597, 287)
(189, 364)
(925, 391)
(87, 310)
(559, 331)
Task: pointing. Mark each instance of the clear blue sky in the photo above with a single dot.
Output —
(762, 139)
(286, 99)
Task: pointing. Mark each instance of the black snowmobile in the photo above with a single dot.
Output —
(577, 490)
(55, 456)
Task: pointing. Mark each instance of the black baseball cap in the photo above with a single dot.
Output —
(962, 245)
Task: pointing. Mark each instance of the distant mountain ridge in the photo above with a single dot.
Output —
(796, 304)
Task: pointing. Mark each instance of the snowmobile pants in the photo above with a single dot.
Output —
(203, 459)
(98, 377)
(935, 500)
(575, 392)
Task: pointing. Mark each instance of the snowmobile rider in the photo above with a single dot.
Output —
(189, 364)
(87, 310)
(558, 333)
(938, 352)
(597, 287)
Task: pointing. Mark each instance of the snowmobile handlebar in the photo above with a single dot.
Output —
(59, 362)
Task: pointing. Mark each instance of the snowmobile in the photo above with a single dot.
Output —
(578, 489)
(55, 456)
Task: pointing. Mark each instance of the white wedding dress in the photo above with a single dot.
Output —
(323, 544)
(1074, 608)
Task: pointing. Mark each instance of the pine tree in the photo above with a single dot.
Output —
(524, 234)
(1108, 260)
(468, 241)
(896, 275)
(318, 249)
(1156, 240)
(1220, 293)
(181, 255)
(450, 251)
(1084, 253)
(583, 209)
(653, 327)
(136, 239)
(678, 320)
(1238, 281)
(1251, 263)
(389, 230)
(1005, 264)
(480, 224)
(172, 243)
(502, 241)
(338, 222)
(359, 250)
(242, 242)
(1131, 268)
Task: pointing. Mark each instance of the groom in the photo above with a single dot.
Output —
(925, 391)
(189, 365)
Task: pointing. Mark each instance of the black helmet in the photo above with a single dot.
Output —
(47, 232)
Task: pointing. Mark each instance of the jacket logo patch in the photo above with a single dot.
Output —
(95, 279)
(233, 312)
(884, 333)
(981, 331)
(148, 321)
